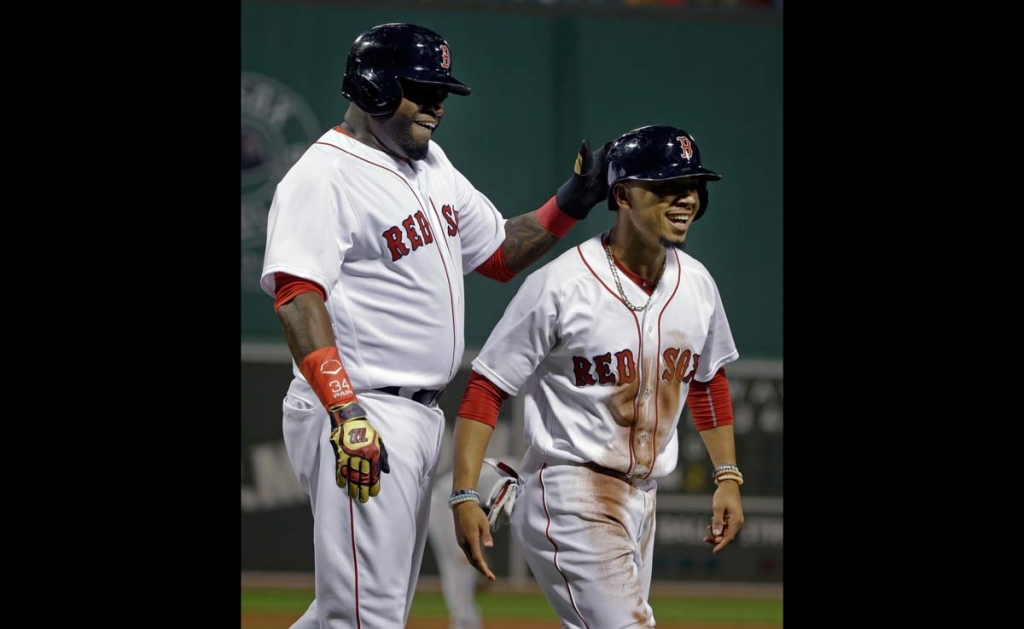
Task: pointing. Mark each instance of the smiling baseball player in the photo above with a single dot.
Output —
(608, 342)
(369, 236)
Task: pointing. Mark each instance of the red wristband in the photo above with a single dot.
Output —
(557, 222)
(324, 372)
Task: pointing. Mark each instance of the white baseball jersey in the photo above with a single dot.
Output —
(602, 383)
(389, 241)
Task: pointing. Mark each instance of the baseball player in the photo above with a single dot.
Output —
(369, 235)
(608, 342)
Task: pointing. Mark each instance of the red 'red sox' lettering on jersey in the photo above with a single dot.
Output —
(676, 363)
(451, 216)
(395, 237)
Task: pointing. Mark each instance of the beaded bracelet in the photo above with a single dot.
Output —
(462, 495)
(727, 472)
(736, 476)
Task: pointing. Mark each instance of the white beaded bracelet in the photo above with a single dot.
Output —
(462, 495)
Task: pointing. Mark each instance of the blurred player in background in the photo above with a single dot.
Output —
(459, 579)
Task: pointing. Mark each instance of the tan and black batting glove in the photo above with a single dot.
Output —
(358, 450)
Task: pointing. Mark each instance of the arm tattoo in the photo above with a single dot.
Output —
(525, 241)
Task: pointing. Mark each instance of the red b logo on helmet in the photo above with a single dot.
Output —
(684, 142)
(446, 56)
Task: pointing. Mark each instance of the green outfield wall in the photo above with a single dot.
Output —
(542, 81)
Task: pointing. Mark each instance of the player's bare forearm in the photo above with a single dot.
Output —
(472, 530)
(726, 506)
(307, 326)
(526, 241)
(470, 445)
(720, 443)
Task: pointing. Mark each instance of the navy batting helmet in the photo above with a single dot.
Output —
(388, 52)
(655, 153)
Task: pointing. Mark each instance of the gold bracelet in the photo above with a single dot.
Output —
(729, 476)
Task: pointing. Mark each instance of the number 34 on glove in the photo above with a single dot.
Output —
(358, 451)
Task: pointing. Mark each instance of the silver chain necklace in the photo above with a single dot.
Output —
(618, 282)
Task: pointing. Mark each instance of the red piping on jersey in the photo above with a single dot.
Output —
(342, 131)
(640, 367)
(547, 533)
(657, 380)
(451, 294)
(597, 277)
(355, 558)
(451, 297)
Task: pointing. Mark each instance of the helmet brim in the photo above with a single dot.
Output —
(662, 175)
(454, 85)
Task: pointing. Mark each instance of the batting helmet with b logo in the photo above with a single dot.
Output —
(389, 52)
(655, 153)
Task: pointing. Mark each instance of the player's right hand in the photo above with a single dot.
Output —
(471, 530)
(588, 185)
(358, 451)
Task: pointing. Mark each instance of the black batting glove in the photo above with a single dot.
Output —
(588, 185)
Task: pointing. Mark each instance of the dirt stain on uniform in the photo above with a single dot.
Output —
(621, 401)
(610, 535)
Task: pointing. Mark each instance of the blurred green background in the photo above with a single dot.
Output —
(545, 75)
(543, 80)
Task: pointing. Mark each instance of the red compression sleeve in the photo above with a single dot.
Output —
(288, 286)
(481, 400)
(710, 403)
(557, 222)
(494, 268)
(326, 375)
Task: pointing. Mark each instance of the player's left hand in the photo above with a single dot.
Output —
(358, 451)
(472, 530)
(726, 516)
(588, 185)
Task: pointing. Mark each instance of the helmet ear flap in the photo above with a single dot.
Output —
(612, 205)
(702, 194)
(371, 98)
